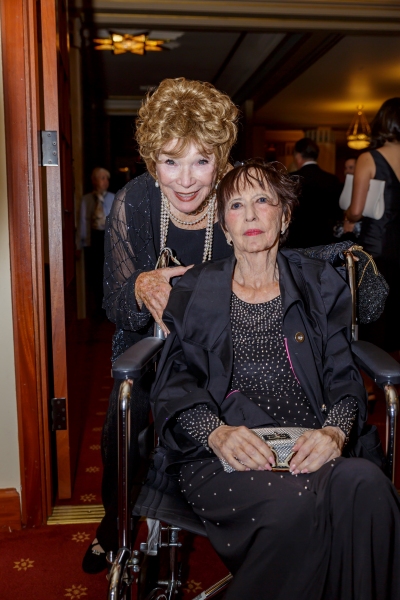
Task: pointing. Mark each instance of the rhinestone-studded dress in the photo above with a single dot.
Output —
(261, 368)
(303, 537)
(262, 372)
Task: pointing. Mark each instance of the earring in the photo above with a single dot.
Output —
(230, 243)
(156, 184)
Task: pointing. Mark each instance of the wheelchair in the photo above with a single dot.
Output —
(165, 509)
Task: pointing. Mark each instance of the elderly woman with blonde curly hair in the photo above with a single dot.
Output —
(185, 132)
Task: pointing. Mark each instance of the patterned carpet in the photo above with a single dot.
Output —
(46, 562)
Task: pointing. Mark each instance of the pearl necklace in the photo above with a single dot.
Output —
(166, 215)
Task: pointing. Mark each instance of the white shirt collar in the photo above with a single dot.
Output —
(309, 162)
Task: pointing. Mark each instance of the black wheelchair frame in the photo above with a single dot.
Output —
(131, 566)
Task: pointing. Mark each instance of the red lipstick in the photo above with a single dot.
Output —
(253, 232)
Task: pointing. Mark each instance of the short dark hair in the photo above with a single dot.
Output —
(307, 148)
(271, 175)
(385, 126)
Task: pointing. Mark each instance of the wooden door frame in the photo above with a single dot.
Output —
(22, 123)
(55, 232)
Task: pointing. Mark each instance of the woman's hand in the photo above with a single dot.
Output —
(348, 226)
(152, 289)
(315, 448)
(241, 448)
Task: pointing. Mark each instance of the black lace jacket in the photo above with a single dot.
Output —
(131, 247)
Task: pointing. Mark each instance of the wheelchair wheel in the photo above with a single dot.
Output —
(147, 588)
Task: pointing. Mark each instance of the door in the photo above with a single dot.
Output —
(59, 203)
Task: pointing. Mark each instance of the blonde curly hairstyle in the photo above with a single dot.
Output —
(190, 111)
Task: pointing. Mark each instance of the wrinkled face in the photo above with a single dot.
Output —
(254, 219)
(186, 180)
(349, 166)
(101, 182)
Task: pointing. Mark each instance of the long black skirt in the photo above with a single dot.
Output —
(331, 535)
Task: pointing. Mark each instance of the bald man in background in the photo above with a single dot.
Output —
(95, 207)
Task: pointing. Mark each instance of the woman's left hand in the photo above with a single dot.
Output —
(348, 226)
(315, 448)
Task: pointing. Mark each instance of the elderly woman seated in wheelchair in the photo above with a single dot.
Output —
(262, 411)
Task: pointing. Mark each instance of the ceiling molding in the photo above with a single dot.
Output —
(372, 15)
(239, 23)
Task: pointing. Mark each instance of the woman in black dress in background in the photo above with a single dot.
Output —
(261, 339)
(185, 131)
(381, 238)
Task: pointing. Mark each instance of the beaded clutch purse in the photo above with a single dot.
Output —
(281, 441)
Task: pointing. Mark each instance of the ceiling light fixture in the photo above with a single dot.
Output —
(359, 132)
(135, 44)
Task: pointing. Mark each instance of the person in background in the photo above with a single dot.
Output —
(95, 207)
(349, 166)
(338, 230)
(318, 209)
(381, 238)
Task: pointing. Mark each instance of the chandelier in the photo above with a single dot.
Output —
(136, 44)
(359, 132)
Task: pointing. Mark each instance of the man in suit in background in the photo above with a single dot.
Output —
(318, 209)
(94, 210)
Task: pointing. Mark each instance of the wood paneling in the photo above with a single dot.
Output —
(20, 60)
(61, 234)
(10, 509)
(55, 233)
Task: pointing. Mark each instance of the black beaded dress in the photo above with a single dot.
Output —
(381, 238)
(306, 537)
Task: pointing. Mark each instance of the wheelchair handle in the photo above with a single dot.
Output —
(134, 362)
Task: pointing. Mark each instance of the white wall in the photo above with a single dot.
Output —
(9, 454)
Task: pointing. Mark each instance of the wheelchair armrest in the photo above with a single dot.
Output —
(135, 361)
(376, 363)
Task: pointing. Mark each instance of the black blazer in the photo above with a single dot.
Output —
(318, 210)
(196, 363)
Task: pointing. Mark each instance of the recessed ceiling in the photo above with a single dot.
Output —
(199, 56)
(358, 70)
(297, 80)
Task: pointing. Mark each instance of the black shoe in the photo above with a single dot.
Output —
(94, 561)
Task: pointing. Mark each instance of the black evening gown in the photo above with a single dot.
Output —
(381, 238)
(329, 535)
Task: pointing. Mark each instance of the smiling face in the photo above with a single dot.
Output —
(186, 180)
(254, 219)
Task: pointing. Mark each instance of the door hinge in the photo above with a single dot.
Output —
(59, 414)
(49, 149)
